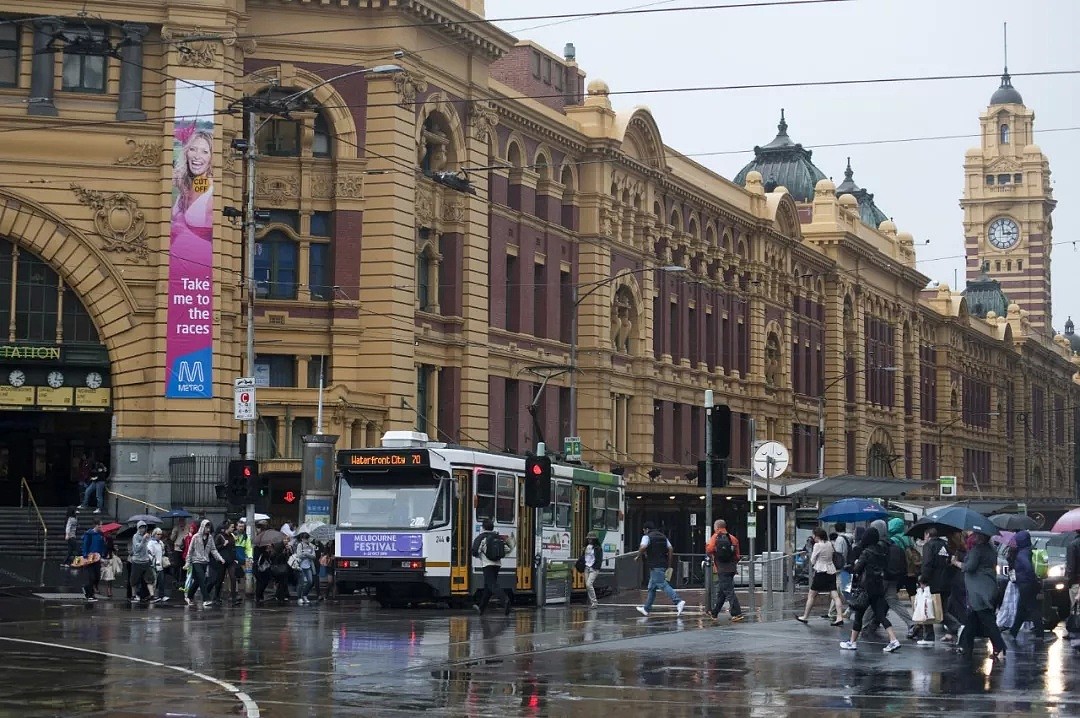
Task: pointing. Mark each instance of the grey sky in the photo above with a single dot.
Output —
(917, 183)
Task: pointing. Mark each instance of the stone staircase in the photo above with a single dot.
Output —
(21, 535)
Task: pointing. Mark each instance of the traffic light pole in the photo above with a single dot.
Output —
(708, 491)
(541, 565)
(249, 282)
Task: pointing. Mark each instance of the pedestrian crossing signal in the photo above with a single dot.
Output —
(537, 482)
(243, 484)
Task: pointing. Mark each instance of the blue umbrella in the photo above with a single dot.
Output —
(176, 514)
(853, 510)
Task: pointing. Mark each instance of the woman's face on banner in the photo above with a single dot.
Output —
(198, 156)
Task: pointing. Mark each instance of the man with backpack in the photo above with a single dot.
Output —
(659, 557)
(935, 574)
(896, 567)
(491, 549)
(723, 549)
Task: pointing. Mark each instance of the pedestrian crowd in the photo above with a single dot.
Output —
(193, 560)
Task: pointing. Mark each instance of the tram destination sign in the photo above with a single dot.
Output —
(383, 459)
(18, 351)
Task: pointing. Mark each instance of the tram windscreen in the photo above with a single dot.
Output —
(389, 506)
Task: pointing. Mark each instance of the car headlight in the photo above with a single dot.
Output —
(1056, 572)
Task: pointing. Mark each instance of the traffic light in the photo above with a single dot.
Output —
(243, 484)
(537, 481)
(719, 474)
(721, 431)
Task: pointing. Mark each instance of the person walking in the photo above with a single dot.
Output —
(723, 549)
(824, 579)
(659, 557)
(226, 546)
(140, 572)
(490, 548)
(895, 575)
(201, 549)
(237, 585)
(1028, 585)
(156, 549)
(870, 570)
(935, 574)
(592, 557)
(305, 560)
(980, 579)
(71, 530)
(843, 559)
(1072, 578)
(93, 545)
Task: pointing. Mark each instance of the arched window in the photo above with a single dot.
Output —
(427, 279)
(1003, 134)
(321, 145)
(276, 266)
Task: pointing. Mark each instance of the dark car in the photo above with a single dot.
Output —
(1055, 590)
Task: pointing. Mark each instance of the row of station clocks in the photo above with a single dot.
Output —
(17, 378)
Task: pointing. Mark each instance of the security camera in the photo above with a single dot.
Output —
(240, 144)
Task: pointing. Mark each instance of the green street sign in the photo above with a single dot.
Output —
(947, 486)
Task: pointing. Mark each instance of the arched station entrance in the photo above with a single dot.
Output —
(55, 388)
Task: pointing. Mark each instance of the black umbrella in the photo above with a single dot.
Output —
(1014, 522)
(267, 537)
(954, 518)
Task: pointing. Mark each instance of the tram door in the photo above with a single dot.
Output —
(526, 541)
(580, 530)
(460, 554)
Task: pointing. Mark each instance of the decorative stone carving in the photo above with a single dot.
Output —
(453, 212)
(141, 154)
(484, 120)
(425, 209)
(345, 186)
(408, 86)
(191, 53)
(277, 189)
(117, 220)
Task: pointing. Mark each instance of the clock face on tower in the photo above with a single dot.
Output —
(1003, 233)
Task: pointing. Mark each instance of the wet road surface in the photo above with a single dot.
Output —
(65, 658)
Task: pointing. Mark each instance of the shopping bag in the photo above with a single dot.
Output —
(939, 610)
(1006, 613)
(923, 606)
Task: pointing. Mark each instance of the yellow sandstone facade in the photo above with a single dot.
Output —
(424, 306)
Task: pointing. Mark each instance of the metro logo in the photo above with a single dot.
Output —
(190, 373)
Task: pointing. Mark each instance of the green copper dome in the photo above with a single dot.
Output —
(984, 295)
(869, 212)
(786, 163)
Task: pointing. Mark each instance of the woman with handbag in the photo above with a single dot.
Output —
(304, 559)
(869, 570)
(824, 577)
(980, 570)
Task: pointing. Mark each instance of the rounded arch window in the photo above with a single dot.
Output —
(624, 320)
(437, 151)
(773, 363)
(1003, 134)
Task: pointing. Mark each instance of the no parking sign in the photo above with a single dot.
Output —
(244, 398)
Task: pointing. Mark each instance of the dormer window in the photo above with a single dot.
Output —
(1003, 179)
(1003, 135)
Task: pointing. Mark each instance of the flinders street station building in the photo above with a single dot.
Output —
(438, 240)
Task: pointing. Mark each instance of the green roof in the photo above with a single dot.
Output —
(869, 212)
(785, 163)
(984, 295)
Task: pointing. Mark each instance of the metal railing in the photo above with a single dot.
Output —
(145, 504)
(25, 487)
(193, 479)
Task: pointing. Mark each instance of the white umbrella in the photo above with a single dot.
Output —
(261, 517)
(308, 527)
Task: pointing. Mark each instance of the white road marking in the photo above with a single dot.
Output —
(251, 708)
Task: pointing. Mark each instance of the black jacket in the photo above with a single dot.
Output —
(1072, 561)
(936, 562)
(871, 567)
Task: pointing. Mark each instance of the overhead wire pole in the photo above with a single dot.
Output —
(708, 489)
(249, 283)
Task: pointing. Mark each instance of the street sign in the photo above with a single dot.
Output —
(244, 399)
(693, 519)
(947, 486)
(751, 525)
(1021, 508)
(572, 448)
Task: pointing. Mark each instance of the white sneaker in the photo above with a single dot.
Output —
(97, 511)
(207, 604)
(642, 611)
(923, 643)
(679, 607)
(847, 645)
(893, 646)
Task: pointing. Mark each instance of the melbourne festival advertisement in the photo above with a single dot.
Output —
(188, 351)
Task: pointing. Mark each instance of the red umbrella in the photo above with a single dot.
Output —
(110, 527)
(1068, 522)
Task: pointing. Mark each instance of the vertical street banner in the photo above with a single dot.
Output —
(189, 338)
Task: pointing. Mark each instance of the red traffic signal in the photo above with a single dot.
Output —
(243, 483)
(537, 481)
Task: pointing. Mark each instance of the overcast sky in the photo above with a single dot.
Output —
(917, 183)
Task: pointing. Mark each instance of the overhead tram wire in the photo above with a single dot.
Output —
(519, 18)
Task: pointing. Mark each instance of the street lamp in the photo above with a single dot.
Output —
(577, 300)
(821, 411)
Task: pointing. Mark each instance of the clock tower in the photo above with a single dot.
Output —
(1007, 204)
